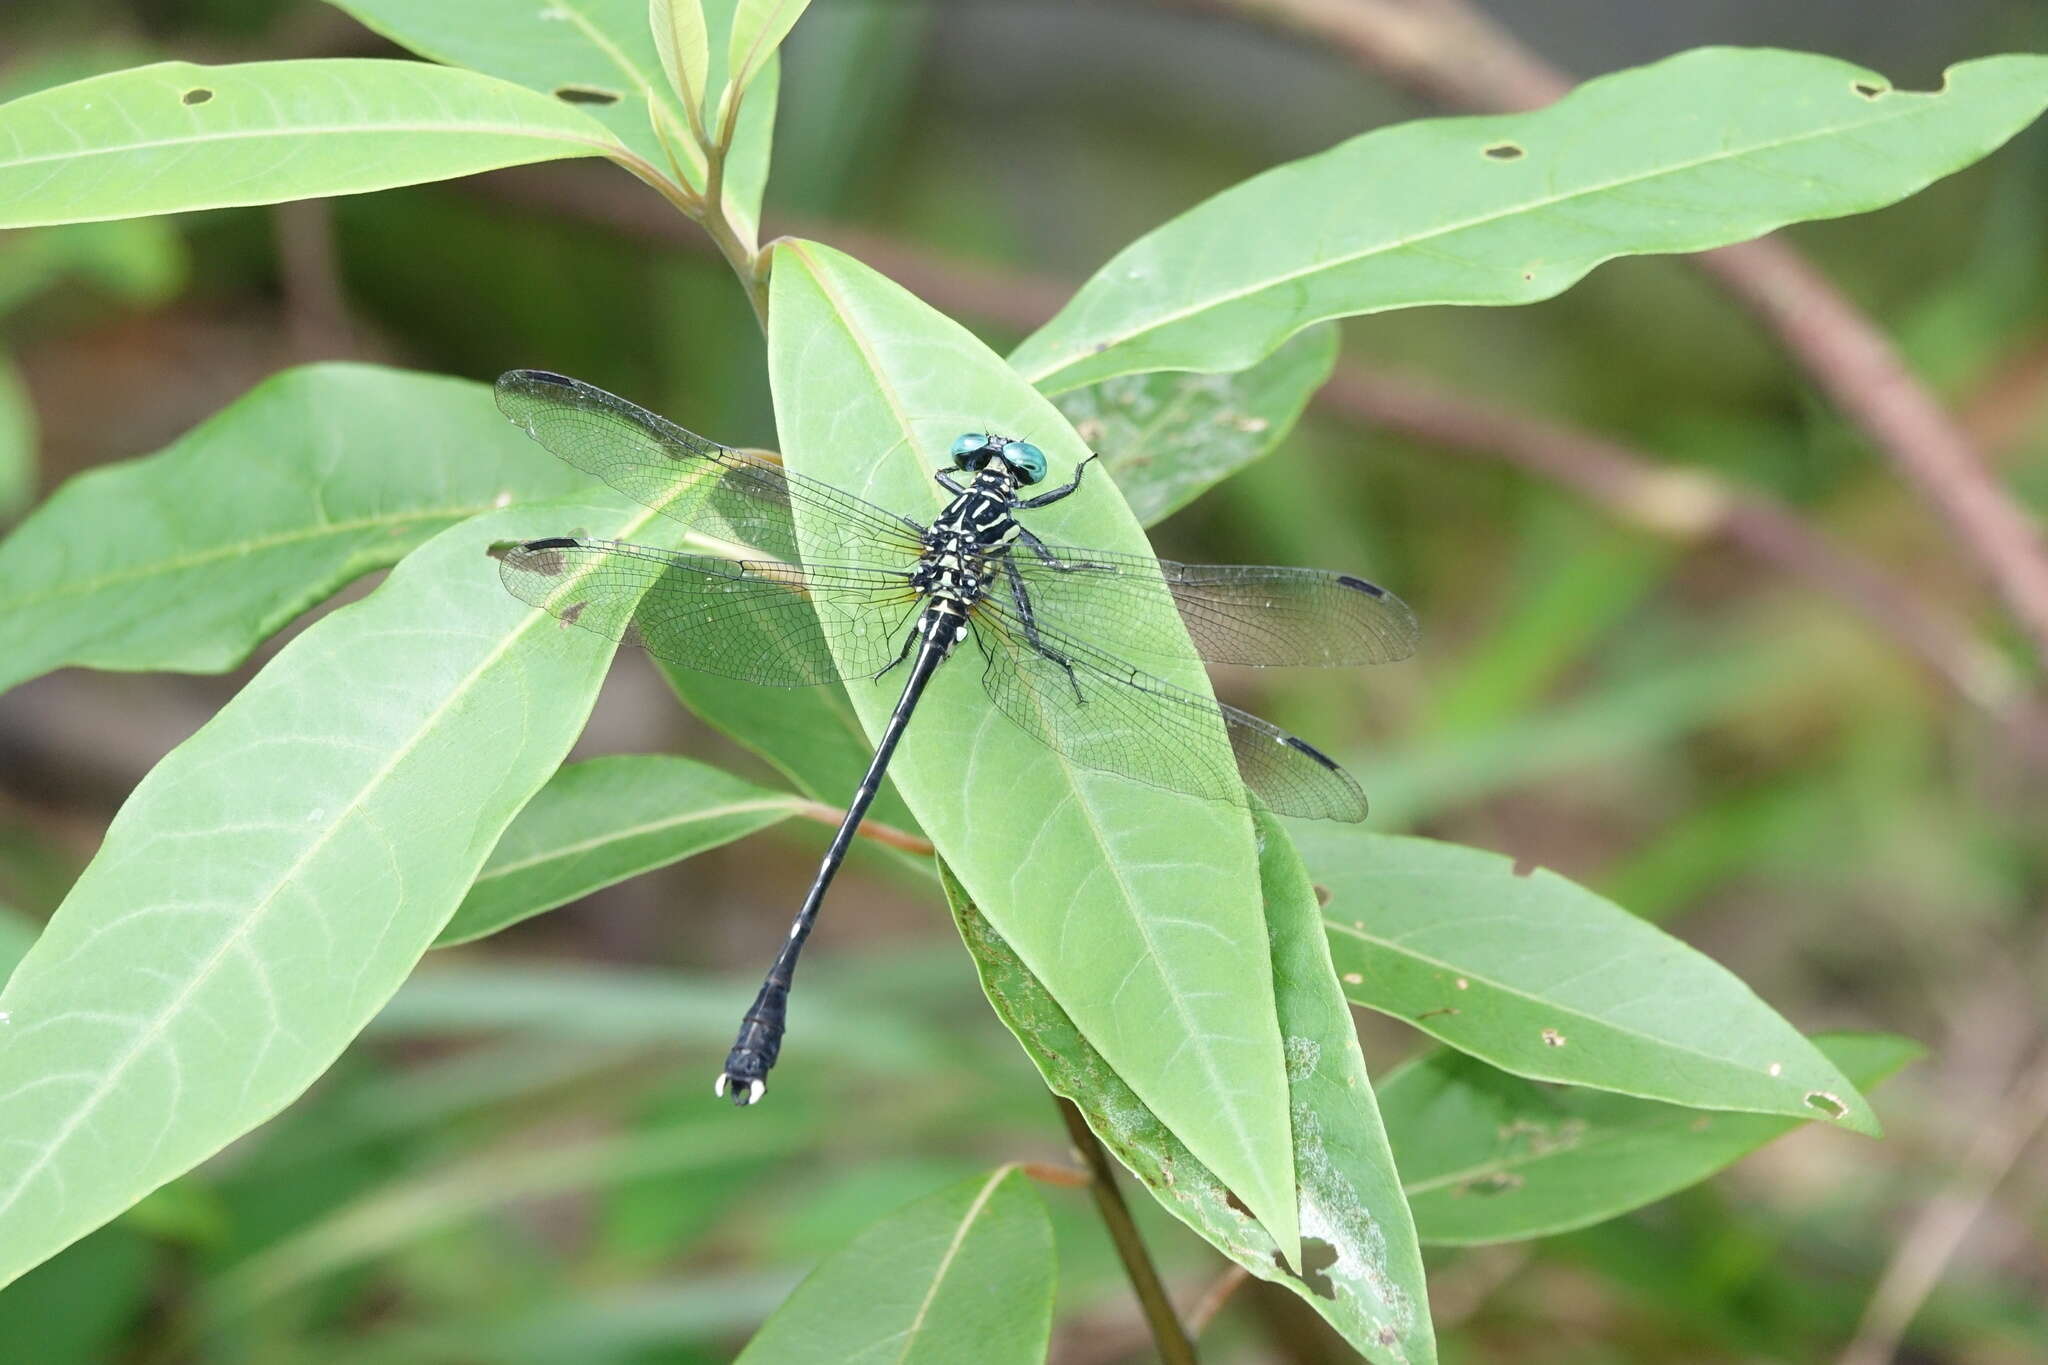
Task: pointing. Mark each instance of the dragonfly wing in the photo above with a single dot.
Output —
(731, 494)
(1104, 714)
(1234, 613)
(748, 619)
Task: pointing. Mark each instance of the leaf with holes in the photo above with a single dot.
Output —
(1136, 907)
(174, 137)
(1359, 1265)
(188, 559)
(1709, 147)
(1489, 1157)
(1543, 978)
(603, 56)
(1172, 435)
(963, 1274)
(272, 881)
(602, 821)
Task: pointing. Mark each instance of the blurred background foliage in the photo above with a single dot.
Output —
(517, 1164)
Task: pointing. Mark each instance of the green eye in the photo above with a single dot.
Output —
(968, 444)
(1027, 459)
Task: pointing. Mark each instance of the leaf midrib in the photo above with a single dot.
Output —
(1593, 1141)
(617, 836)
(537, 133)
(945, 1265)
(1567, 1011)
(236, 549)
(1218, 300)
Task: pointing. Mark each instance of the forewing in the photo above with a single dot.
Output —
(730, 494)
(1104, 714)
(750, 619)
(1234, 613)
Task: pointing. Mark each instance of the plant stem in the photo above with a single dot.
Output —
(1167, 1333)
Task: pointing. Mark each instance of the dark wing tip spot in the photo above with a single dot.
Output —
(554, 543)
(585, 94)
(560, 381)
(198, 95)
(1345, 580)
(1504, 151)
(1317, 754)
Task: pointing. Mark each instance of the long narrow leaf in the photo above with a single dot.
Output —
(1541, 977)
(1489, 1157)
(1135, 906)
(174, 137)
(1709, 147)
(602, 821)
(269, 885)
(188, 559)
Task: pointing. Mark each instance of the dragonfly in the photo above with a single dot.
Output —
(821, 586)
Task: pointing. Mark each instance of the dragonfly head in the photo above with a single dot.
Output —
(974, 450)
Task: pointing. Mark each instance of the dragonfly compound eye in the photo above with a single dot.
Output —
(972, 444)
(1027, 459)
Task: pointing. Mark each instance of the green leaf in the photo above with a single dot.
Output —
(174, 137)
(139, 261)
(404, 1212)
(78, 1308)
(1170, 436)
(270, 883)
(1359, 1265)
(685, 47)
(963, 1274)
(1491, 1158)
(1712, 146)
(603, 821)
(1135, 906)
(1543, 978)
(188, 559)
(854, 1031)
(591, 48)
(17, 442)
(758, 28)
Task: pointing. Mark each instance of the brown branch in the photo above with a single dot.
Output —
(309, 275)
(1450, 53)
(1692, 504)
(1167, 1334)
(1644, 491)
(887, 835)
(1214, 1297)
(1935, 1234)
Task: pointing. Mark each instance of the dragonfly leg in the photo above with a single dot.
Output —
(948, 482)
(1044, 552)
(1063, 490)
(1030, 623)
(909, 643)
